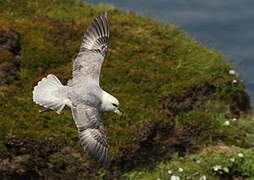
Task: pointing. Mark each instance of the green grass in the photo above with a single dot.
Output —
(216, 162)
(159, 74)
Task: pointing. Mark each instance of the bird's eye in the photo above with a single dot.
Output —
(114, 104)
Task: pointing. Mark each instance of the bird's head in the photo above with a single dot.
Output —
(110, 103)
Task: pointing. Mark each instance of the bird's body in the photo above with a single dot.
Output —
(83, 94)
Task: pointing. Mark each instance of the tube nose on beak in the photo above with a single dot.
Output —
(118, 112)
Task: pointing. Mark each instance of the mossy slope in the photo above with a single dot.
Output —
(175, 93)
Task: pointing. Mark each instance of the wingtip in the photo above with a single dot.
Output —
(97, 35)
(101, 155)
(105, 14)
(94, 142)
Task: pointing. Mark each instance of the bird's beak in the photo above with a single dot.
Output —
(118, 112)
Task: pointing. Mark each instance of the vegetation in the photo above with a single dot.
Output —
(179, 100)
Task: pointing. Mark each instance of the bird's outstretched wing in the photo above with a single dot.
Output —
(97, 35)
(91, 131)
(93, 49)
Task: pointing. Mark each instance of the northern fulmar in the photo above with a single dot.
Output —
(83, 94)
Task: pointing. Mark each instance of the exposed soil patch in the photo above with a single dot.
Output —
(29, 159)
(197, 95)
(240, 104)
(9, 55)
(154, 141)
(192, 98)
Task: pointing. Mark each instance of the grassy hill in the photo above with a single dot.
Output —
(184, 114)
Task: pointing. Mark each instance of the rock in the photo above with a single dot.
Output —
(30, 159)
(9, 55)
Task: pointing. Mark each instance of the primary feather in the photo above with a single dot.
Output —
(97, 35)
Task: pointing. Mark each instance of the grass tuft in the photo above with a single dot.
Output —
(176, 94)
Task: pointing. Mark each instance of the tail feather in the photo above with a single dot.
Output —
(50, 93)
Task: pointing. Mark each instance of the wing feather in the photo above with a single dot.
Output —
(92, 50)
(97, 35)
(91, 131)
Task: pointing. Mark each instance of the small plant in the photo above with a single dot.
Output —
(186, 113)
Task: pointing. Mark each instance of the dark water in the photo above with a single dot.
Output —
(227, 26)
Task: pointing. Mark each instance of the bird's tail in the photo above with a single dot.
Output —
(50, 93)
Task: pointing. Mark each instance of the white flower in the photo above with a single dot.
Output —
(231, 72)
(202, 177)
(234, 81)
(234, 119)
(240, 155)
(216, 168)
(174, 177)
(180, 169)
(232, 159)
(198, 161)
(225, 169)
(169, 172)
(226, 123)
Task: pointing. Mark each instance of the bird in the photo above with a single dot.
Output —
(83, 94)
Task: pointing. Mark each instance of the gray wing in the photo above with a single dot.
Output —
(97, 35)
(91, 131)
(93, 49)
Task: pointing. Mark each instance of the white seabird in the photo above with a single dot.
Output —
(83, 94)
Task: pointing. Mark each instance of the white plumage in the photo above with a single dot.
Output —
(47, 93)
(84, 95)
